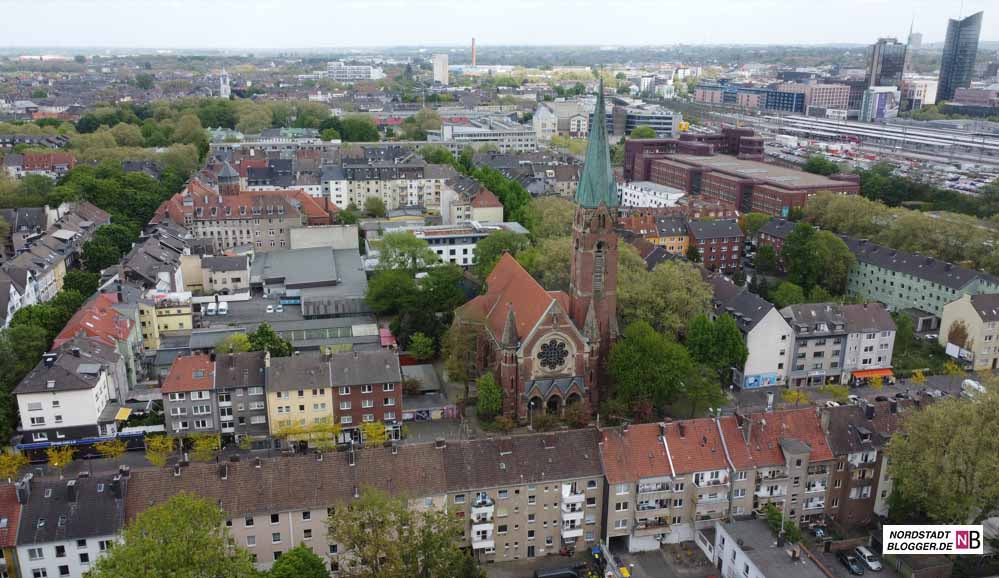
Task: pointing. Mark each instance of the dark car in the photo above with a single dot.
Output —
(851, 562)
(881, 398)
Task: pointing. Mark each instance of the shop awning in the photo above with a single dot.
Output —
(123, 414)
(869, 373)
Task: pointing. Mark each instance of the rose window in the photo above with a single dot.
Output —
(552, 355)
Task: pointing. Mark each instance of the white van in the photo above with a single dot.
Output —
(224, 308)
(971, 388)
(212, 308)
(868, 558)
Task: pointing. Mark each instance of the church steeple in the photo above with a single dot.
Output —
(596, 184)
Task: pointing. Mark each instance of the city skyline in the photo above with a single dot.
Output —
(272, 25)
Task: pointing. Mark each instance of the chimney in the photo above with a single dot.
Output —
(440, 443)
(117, 486)
(75, 351)
(662, 430)
(257, 463)
(124, 471)
(351, 456)
(176, 470)
(23, 489)
(267, 359)
(71, 491)
(682, 428)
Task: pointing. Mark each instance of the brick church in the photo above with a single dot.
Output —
(548, 349)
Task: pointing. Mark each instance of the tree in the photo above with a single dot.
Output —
(647, 366)
(373, 433)
(947, 459)
(957, 334)
(799, 256)
(702, 392)
(787, 294)
(795, 396)
(144, 81)
(918, 378)
(835, 261)
(729, 344)
(359, 128)
(204, 446)
(388, 539)
(111, 449)
(390, 291)
(766, 260)
(59, 457)
(643, 131)
(839, 393)
(266, 339)
(329, 134)
(11, 463)
(489, 250)
(458, 347)
(877, 383)
(693, 254)
(819, 165)
(777, 522)
(700, 339)
(184, 536)
(549, 262)
(667, 298)
(437, 154)
(375, 207)
(403, 250)
(83, 282)
(751, 223)
(299, 562)
(550, 217)
(490, 399)
(128, 135)
(159, 448)
(99, 255)
(421, 346)
(905, 333)
(234, 343)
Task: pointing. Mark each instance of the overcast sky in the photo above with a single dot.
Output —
(264, 24)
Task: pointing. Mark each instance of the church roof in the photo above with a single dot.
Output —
(512, 293)
(596, 184)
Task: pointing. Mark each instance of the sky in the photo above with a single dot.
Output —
(317, 24)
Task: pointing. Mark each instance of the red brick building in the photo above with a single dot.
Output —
(719, 243)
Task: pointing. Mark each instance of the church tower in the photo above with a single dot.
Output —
(225, 91)
(593, 271)
(228, 180)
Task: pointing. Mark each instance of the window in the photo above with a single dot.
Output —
(739, 476)
(344, 405)
(501, 529)
(39, 573)
(35, 554)
(277, 554)
(346, 419)
(531, 500)
(307, 515)
(459, 499)
(620, 524)
(388, 387)
(388, 402)
(104, 545)
(307, 534)
(345, 390)
(64, 570)
(367, 403)
(333, 549)
(81, 544)
(275, 518)
(621, 489)
(60, 551)
(367, 388)
(276, 538)
(248, 521)
(503, 494)
(591, 485)
(84, 558)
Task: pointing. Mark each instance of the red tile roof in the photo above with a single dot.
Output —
(510, 285)
(99, 320)
(485, 199)
(10, 510)
(190, 373)
(695, 446)
(738, 451)
(244, 165)
(197, 195)
(632, 454)
(768, 429)
(46, 161)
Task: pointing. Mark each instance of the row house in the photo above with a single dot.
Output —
(70, 395)
(773, 233)
(667, 481)
(46, 164)
(16, 291)
(719, 243)
(398, 183)
(834, 343)
(66, 525)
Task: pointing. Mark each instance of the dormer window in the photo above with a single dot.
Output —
(215, 211)
(228, 211)
(200, 212)
(242, 209)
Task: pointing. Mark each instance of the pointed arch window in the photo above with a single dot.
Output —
(599, 264)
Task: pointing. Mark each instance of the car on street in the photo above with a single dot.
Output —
(852, 564)
(279, 308)
(831, 403)
(270, 309)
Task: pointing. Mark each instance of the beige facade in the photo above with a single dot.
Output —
(171, 313)
(394, 193)
(979, 315)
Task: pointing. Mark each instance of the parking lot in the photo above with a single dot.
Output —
(839, 570)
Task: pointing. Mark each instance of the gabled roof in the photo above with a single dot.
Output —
(97, 319)
(634, 453)
(987, 306)
(240, 370)
(190, 373)
(76, 364)
(768, 430)
(867, 318)
(926, 268)
(10, 516)
(365, 367)
(51, 516)
(511, 286)
(714, 229)
(777, 228)
(695, 445)
(306, 370)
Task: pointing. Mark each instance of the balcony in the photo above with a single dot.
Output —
(483, 507)
(571, 496)
(708, 483)
(717, 499)
(572, 512)
(776, 475)
(225, 403)
(778, 492)
(815, 504)
(647, 506)
(651, 526)
(571, 531)
(483, 542)
(815, 488)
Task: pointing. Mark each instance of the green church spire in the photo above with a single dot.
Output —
(596, 184)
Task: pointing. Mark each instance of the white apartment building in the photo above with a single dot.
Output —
(506, 135)
(648, 194)
(455, 243)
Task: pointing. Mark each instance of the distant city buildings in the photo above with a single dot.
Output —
(880, 103)
(439, 62)
(886, 63)
(959, 53)
(224, 90)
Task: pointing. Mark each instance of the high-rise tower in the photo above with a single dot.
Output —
(959, 53)
(224, 90)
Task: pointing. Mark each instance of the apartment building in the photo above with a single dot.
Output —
(505, 134)
(240, 396)
(164, 313)
(773, 233)
(368, 389)
(749, 549)
(188, 402)
(969, 323)
(870, 342)
(827, 96)
(398, 182)
(225, 274)
(108, 320)
(465, 199)
(719, 243)
(904, 280)
(66, 525)
(819, 341)
(455, 243)
(648, 194)
(527, 496)
(299, 393)
(65, 396)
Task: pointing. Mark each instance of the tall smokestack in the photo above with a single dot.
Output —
(473, 52)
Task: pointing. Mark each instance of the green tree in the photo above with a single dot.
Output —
(729, 344)
(99, 255)
(702, 392)
(83, 282)
(11, 463)
(835, 260)
(359, 128)
(751, 223)
(458, 348)
(299, 562)
(839, 393)
(184, 536)
(489, 250)
(646, 366)
(375, 207)
(795, 396)
(787, 294)
(550, 217)
(421, 347)
(404, 250)
(799, 254)
(701, 339)
(549, 262)
(159, 448)
(144, 81)
(490, 398)
(266, 339)
(373, 434)
(111, 449)
(819, 165)
(947, 458)
(390, 291)
(59, 457)
(643, 131)
(204, 447)
(235, 343)
(329, 134)
(667, 298)
(693, 253)
(127, 135)
(388, 539)
(437, 154)
(766, 260)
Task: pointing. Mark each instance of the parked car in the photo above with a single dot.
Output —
(279, 308)
(868, 558)
(854, 399)
(270, 309)
(931, 336)
(852, 564)
(881, 398)
(831, 403)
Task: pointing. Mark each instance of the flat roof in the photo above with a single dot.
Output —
(760, 171)
(756, 540)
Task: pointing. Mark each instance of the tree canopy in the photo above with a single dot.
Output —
(403, 250)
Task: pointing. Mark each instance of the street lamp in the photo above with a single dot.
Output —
(530, 414)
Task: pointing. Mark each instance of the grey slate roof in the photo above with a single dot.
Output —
(366, 367)
(987, 306)
(306, 370)
(815, 318)
(225, 263)
(926, 268)
(69, 371)
(50, 515)
(240, 370)
(867, 318)
(714, 229)
(746, 307)
(777, 228)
